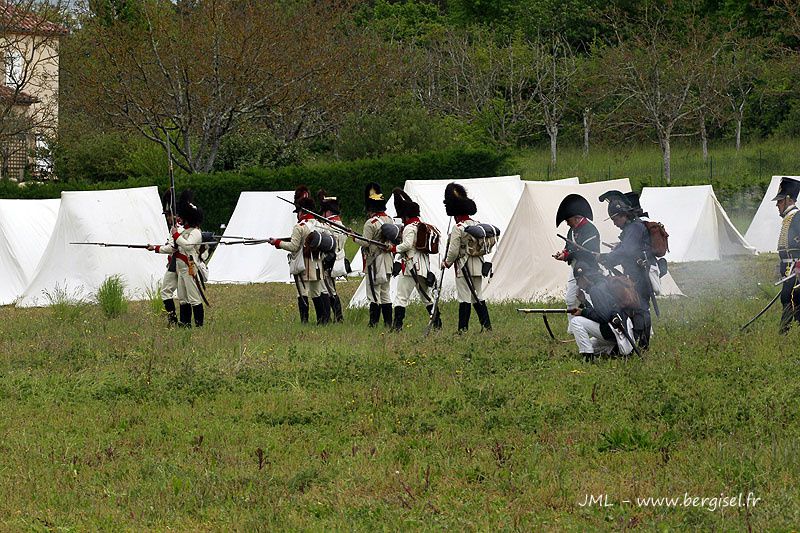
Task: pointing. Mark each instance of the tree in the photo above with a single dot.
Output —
(556, 72)
(29, 49)
(468, 75)
(741, 67)
(653, 73)
(193, 71)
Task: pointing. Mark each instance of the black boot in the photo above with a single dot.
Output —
(302, 305)
(386, 309)
(374, 314)
(186, 316)
(464, 310)
(483, 315)
(336, 307)
(399, 315)
(588, 357)
(199, 315)
(325, 308)
(169, 306)
(437, 320)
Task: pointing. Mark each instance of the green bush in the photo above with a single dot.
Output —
(218, 193)
(111, 296)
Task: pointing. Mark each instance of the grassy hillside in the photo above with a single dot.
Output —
(257, 423)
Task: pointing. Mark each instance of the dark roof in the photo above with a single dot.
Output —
(14, 20)
(21, 98)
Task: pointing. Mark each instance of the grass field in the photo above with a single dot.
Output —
(257, 423)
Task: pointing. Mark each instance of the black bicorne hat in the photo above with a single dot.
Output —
(789, 187)
(303, 200)
(328, 203)
(189, 212)
(373, 198)
(404, 205)
(571, 205)
(456, 201)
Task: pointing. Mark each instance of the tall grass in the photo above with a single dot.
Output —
(111, 296)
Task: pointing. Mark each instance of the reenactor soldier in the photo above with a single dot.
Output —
(377, 261)
(329, 208)
(169, 283)
(185, 247)
(583, 241)
(789, 251)
(465, 259)
(305, 264)
(634, 255)
(414, 263)
(600, 325)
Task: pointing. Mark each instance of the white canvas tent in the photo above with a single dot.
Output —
(259, 215)
(495, 199)
(698, 227)
(766, 224)
(25, 229)
(75, 272)
(524, 267)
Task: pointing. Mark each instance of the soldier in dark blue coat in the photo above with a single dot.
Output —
(582, 236)
(633, 254)
(789, 250)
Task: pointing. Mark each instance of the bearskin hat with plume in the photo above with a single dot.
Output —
(191, 215)
(456, 201)
(328, 203)
(404, 205)
(374, 202)
(302, 199)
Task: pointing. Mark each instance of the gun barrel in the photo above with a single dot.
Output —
(544, 311)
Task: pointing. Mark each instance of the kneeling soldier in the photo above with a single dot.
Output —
(468, 266)
(600, 326)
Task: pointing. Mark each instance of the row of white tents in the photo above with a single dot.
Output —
(39, 265)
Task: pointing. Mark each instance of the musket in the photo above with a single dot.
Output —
(787, 278)
(235, 237)
(544, 313)
(341, 227)
(774, 299)
(173, 202)
(613, 270)
(435, 308)
(113, 245)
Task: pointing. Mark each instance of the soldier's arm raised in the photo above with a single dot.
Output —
(294, 244)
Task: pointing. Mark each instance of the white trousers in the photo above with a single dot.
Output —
(464, 294)
(188, 293)
(382, 295)
(405, 287)
(168, 285)
(312, 289)
(571, 298)
(590, 339)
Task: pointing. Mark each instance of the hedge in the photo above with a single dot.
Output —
(218, 193)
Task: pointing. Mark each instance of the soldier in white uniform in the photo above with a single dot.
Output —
(185, 247)
(309, 282)
(169, 283)
(468, 268)
(414, 263)
(329, 208)
(377, 261)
